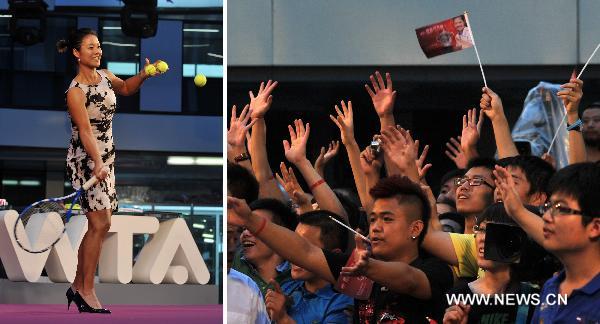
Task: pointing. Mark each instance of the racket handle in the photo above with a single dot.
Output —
(90, 183)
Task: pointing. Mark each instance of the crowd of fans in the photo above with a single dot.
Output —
(290, 259)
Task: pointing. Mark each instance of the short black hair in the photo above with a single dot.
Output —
(483, 162)
(241, 183)
(333, 235)
(455, 173)
(407, 192)
(593, 105)
(282, 214)
(537, 171)
(581, 181)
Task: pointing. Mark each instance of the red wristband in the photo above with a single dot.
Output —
(262, 227)
(316, 184)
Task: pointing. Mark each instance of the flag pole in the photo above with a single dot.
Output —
(563, 104)
(475, 46)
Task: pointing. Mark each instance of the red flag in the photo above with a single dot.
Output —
(446, 36)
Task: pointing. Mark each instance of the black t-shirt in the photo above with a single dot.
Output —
(385, 306)
(493, 313)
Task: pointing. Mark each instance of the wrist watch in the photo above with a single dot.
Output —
(242, 157)
(575, 126)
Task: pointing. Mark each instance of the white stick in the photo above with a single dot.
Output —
(588, 61)
(349, 228)
(565, 117)
(475, 46)
(557, 131)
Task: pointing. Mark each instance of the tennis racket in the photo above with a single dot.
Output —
(42, 224)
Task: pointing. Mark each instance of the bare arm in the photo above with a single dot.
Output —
(532, 224)
(260, 105)
(296, 154)
(439, 244)
(131, 85)
(371, 167)
(289, 245)
(383, 97)
(79, 115)
(345, 122)
(491, 106)
(397, 276)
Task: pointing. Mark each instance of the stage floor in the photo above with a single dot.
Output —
(147, 314)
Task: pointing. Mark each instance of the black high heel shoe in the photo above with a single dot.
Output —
(70, 294)
(83, 306)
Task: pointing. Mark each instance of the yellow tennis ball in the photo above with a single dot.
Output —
(200, 80)
(150, 70)
(162, 66)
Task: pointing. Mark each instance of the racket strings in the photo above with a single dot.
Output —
(45, 207)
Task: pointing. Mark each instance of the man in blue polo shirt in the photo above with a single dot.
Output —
(571, 231)
(308, 298)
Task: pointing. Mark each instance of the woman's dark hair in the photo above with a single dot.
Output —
(74, 40)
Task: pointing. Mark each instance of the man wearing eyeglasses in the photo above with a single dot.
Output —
(474, 193)
(569, 229)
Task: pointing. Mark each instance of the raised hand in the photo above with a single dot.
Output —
(382, 95)
(456, 153)
(344, 121)
(422, 168)
(156, 73)
(491, 104)
(290, 184)
(296, 151)
(508, 193)
(399, 148)
(369, 162)
(571, 94)
(326, 155)
(261, 103)
(239, 126)
(471, 130)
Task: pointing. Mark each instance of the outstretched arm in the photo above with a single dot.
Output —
(345, 122)
(491, 106)
(571, 94)
(289, 245)
(296, 154)
(260, 105)
(399, 277)
(383, 97)
(131, 85)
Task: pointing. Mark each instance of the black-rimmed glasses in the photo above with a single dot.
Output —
(474, 182)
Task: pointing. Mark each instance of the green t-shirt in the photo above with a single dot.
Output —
(244, 266)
